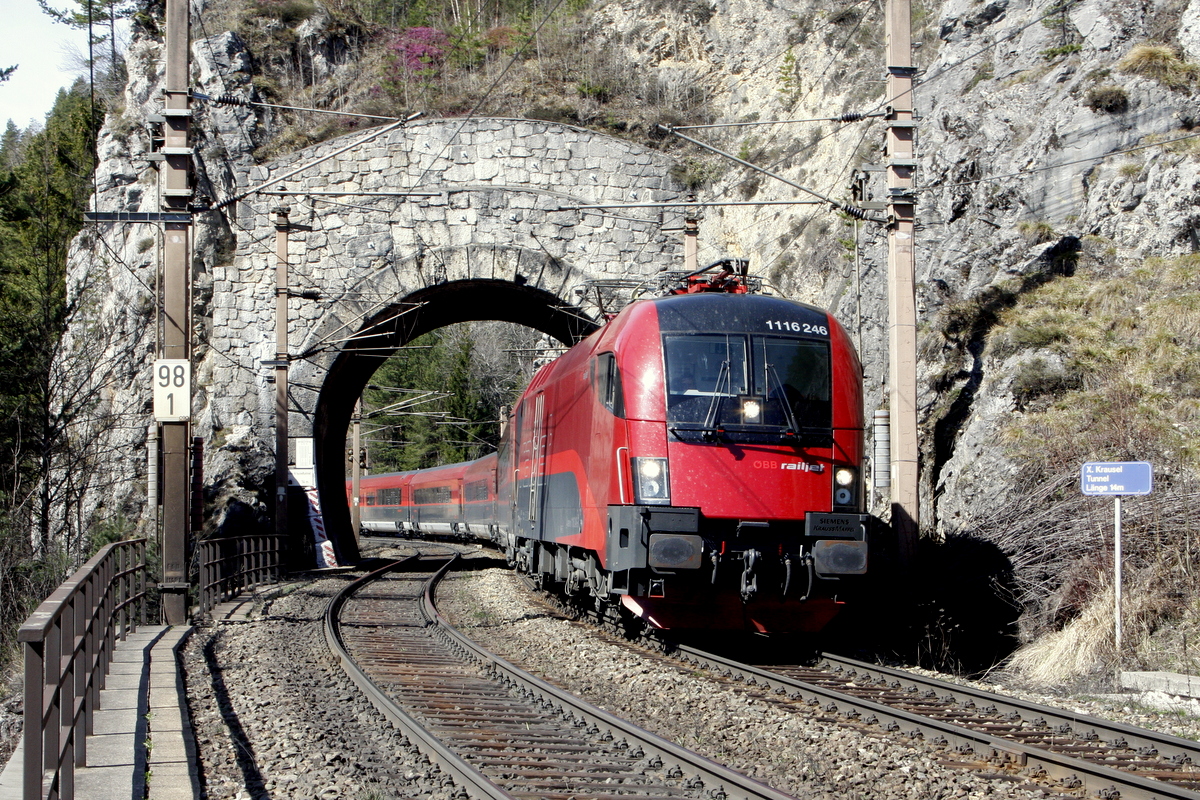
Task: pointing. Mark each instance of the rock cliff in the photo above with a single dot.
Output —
(1046, 148)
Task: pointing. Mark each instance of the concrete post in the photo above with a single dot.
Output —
(175, 313)
(902, 312)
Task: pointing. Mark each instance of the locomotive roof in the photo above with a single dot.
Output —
(719, 312)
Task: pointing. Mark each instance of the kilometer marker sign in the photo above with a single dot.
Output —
(1117, 478)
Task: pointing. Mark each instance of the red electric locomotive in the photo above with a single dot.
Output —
(697, 461)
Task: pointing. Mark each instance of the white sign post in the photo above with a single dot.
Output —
(1116, 478)
(172, 390)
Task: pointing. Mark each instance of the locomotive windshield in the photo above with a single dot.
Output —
(747, 383)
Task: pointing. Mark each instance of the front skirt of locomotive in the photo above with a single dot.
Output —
(677, 570)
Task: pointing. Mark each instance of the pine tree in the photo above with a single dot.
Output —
(93, 14)
(45, 180)
(42, 197)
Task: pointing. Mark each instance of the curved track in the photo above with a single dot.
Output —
(497, 730)
(1105, 759)
(1083, 754)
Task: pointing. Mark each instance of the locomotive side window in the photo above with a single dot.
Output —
(608, 384)
(370, 498)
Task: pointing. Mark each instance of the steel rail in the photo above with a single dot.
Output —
(1096, 779)
(696, 773)
(466, 776)
(729, 782)
(1117, 734)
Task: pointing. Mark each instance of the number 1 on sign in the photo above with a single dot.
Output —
(172, 389)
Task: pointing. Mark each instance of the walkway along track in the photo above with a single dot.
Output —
(499, 731)
(1104, 759)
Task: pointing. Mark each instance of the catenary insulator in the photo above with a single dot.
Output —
(853, 211)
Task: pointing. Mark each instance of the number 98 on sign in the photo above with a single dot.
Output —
(172, 390)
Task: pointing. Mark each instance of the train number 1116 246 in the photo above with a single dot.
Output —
(796, 327)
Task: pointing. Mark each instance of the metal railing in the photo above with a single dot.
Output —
(68, 643)
(233, 565)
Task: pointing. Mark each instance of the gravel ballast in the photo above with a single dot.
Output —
(808, 753)
(276, 717)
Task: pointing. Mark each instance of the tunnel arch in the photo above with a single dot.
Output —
(424, 310)
(398, 215)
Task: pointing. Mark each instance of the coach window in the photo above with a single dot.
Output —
(608, 384)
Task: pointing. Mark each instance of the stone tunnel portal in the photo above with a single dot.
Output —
(418, 313)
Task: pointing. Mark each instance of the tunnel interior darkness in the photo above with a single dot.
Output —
(380, 335)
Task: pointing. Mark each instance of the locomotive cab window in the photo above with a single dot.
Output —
(747, 382)
(607, 380)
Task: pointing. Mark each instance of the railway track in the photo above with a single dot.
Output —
(1086, 756)
(1095, 757)
(498, 731)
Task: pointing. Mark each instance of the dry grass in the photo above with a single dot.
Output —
(1161, 63)
(1134, 342)
(1083, 654)
(1082, 649)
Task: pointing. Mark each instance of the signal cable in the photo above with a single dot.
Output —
(229, 100)
(851, 116)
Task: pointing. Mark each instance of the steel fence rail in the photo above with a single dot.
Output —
(68, 643)
(232, 565)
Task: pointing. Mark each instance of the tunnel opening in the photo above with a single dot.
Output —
(381, 334)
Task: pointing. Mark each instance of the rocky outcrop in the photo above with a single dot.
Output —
(1029, 125)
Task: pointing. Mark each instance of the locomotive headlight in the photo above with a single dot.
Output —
(751, 410)
(651, 485)
(844, 490)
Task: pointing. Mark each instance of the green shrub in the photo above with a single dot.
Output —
(562, 114)
(289, 12)
(593, 91)
(1052, 53)
(1037, 232)
(695, 174)
(984, 73)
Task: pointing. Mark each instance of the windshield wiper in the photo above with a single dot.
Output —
(793, 426)
(714, 405)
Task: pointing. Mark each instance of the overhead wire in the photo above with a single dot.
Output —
(1035, 170)
(925, 81)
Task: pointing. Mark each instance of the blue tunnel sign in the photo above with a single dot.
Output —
(1117, 478)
